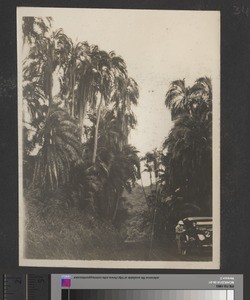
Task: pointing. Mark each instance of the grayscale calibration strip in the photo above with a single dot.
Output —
(146, 287)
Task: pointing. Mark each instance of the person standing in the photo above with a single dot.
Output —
(179, 231)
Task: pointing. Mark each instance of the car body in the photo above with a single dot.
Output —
(198, 234)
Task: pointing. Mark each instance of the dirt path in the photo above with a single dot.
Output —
(137, 244)
(160, 252)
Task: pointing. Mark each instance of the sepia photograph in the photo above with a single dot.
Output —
(119, 138)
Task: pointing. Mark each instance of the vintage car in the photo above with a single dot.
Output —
(198, 234)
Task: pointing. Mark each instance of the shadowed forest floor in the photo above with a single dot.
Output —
(70, 234)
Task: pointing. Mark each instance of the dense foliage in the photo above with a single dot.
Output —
(78, 105)
(183, 167)
(189, 144)
(78, 112)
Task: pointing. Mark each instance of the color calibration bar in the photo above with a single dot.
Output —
(148, 294)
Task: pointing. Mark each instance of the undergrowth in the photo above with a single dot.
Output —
(55, 229)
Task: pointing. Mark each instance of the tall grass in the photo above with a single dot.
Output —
(55, 229)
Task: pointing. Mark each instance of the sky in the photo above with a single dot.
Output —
(157, 46)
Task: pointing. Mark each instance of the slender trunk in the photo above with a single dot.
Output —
(153, 225)
(81, 112)
(116, 206)
(66, 103)
(152, 233)
(73, 95)
(151, 183)
(83, 107)
(50, 92)
(50, 74)
(156, 169)
(96, 130)
(144, 193)
(82, 121)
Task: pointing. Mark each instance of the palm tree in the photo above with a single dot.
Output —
(68, 80)
(201, 91)
(152, 164)
(116, 168)
(177, 98)
(34, 30)
(33, 27)
(86, 95)
(47, 52)
(189, 145)
(60, 149)
(126, 94)
(124, 171)
(79, 82)
(93, 84)
(110, 132)
(181, 99)
(107, 66)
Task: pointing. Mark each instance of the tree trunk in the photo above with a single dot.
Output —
(151, 183)
(152, 234)
(116, 206)
(73, 96)
(144, 193)
(96, 130)
(82, 122)
(50, 79)
(82, 113)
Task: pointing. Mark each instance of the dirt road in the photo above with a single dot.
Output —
(159, 252)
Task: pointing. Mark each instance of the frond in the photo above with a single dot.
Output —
(60, 151)
(202, 90)
(118, 63)
(176, 97)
